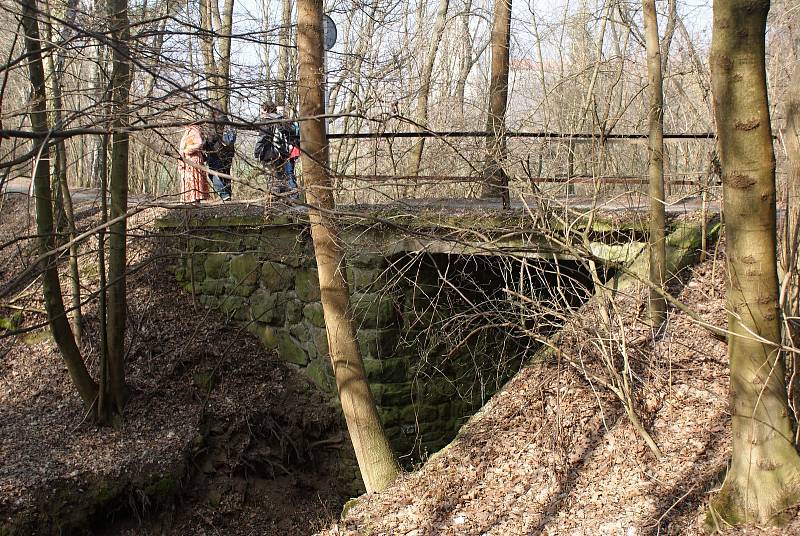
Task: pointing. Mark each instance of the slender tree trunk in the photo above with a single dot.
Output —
(207, 50)
(225, 56)
(104, 409)
(764, 474)
(117, 303)
(496, 180)
(58, 69)
(54, 303)
(790, 250)
(285, 41)
(375, 458)
(421, 113)
(655, 140)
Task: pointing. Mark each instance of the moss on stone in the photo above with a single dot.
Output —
(313, 313)
(294, 311)
(231, 304)
(306, 284)
(320, 372)
(300, 332)
(373, 310)
(378, 343)
(291, 350)
(319, 338)
(11, 322)
(212, 287)
(263, 307)
(216, 265)
(361, 279)
(244, 269)
(276, 276)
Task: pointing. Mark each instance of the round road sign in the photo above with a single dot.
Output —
(328, 32)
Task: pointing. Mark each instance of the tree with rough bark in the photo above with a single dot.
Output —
(496, 184)
(114, 391)
(375, 458)
(764, 474)
(655, 147)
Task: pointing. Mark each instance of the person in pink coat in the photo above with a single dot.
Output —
(194, 181)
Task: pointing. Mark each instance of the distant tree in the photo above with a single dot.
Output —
(217, 26)
(764, 474)
(655, 141)
(421, 111)
(376, 460)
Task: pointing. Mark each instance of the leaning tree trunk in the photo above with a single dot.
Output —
(655, 141)
(117, 251)
(54, 302)
(376, 461)
(496, 180)
(764, 474)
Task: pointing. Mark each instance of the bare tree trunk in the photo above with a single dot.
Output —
(790, 249)
(285, 41)
(655, 140)
(496, 179)
(764, 475)
(57, 69)
(117, 303)
(104, 410)
(225, 56)
(421, 113)
(54, 303)
(375, 458)
(207, 50)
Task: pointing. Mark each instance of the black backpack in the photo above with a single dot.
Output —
(273, 145)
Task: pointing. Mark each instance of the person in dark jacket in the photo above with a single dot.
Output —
(272, 150)
(219, 148)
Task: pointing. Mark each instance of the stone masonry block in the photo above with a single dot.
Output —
(378, 343)
(244, 269)
(294, 311)
(291, 350)
(306, 284)
(212, 287)
(369, 261)
(373, 310)
(313, 313)
(300, 332)
(276, 276)
(217, 265)
(231, 304)
(319, 337)
(263, 306)
(386, 371)
(361, 279)
(321, 373)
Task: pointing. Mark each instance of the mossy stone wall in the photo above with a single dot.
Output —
(265, 278)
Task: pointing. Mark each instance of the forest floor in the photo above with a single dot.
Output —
(554, 453)
(218, 437)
